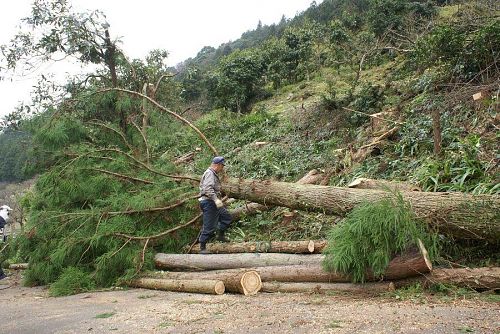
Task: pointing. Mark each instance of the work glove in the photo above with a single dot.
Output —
(219, 203)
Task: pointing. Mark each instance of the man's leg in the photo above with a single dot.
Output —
(224, 222)
(210, 217)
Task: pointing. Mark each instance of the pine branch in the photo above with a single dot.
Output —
(165, 208)
(160, 235)
(119, 133)
(144, 139)
(142, 164)
(121, 176)
(182, 119)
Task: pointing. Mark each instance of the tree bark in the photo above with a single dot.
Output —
(458, 214)
(294, 247)
(213, 287)
(228, 261)
(363, 183)
(235, 280)
(312, 177)
(367, 288)
(399, 268)
(474, 278)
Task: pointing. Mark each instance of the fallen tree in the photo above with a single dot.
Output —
(227, 261)
(214, 287)
(458, 214)
(312, 177)
(474, 278)
(295, 247)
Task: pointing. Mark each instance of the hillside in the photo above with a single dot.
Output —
(385, 90)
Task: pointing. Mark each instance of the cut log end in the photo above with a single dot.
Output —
(219, 288)
(310, 246)
(251, 283)
(425, 254)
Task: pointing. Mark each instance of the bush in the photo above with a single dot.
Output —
(371, 235)
(71, 281)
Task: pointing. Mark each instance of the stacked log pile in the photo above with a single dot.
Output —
(272, 267)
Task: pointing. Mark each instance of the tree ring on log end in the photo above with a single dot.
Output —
(251, 282)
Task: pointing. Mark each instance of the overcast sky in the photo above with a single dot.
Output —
(182, 27)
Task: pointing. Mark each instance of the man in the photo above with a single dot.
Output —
(215, 216)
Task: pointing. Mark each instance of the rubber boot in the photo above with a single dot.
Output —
(203, 248)
(221, 237)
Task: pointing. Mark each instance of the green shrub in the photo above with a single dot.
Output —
(371, 235)
(72, 280)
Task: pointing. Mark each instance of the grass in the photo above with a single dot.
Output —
(146, 296)
(335, 324)
(105, 315)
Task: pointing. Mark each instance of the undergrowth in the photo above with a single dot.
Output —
(372, 234)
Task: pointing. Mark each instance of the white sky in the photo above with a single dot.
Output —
(182, 27)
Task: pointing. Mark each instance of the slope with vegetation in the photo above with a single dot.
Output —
(371, 88)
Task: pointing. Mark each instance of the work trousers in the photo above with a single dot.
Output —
(213, 219)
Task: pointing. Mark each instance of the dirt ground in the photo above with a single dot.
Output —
(31, 310)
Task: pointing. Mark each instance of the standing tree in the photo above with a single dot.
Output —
(54, 32)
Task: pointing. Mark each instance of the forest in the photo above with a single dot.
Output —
(389, 108)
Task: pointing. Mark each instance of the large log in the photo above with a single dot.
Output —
(458, 214)
(474, 278)
(247, 282)
(367, 288)
(214, 287)
(312, 177)
(294, 247)
(227, 261)
(243, 281)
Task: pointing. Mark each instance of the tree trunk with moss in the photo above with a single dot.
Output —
(457, 214)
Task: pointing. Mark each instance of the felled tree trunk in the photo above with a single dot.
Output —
(367, 288)
(460, 215)
(294, 247)
(399, 268)
(312, 177)
(243, 281)
(227, 261)
(474, 278)
(363, 183)
(214, 287)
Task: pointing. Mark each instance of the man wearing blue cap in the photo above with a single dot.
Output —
(211, 204)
